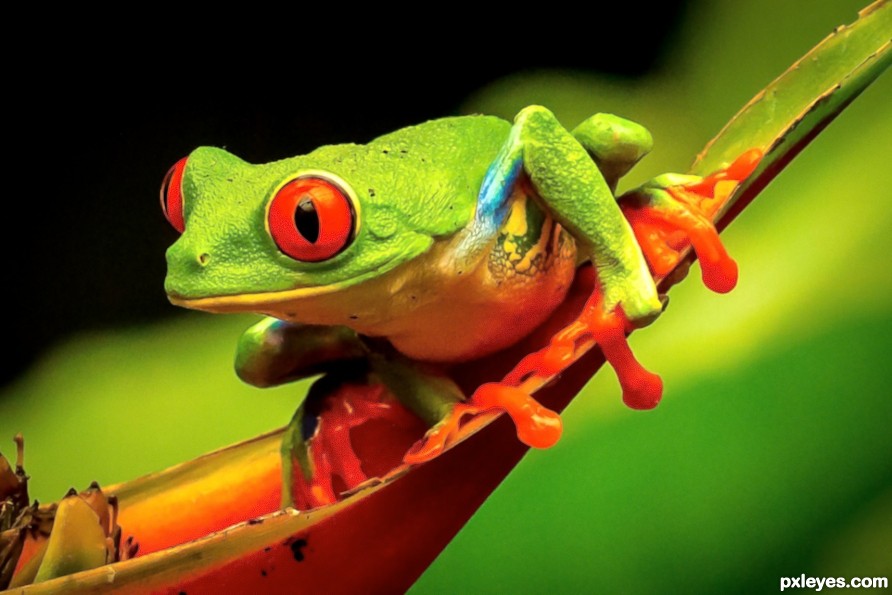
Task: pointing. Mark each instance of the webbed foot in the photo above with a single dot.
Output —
(537, 426)
(672, 210)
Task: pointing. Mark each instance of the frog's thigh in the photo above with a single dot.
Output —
(274, 352)
(614, 143)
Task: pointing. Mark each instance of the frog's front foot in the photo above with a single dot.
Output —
(672, 210)
(537, 426)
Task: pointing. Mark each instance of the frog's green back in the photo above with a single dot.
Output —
(439, 167)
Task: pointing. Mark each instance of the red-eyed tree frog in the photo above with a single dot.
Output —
(435, 244)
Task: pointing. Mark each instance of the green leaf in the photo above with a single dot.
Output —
(785, 116)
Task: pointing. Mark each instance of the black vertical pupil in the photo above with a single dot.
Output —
(306, 219)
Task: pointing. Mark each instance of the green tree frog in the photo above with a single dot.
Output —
(436, 244)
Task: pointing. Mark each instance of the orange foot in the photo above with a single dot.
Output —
(664, 219)
(537, 426)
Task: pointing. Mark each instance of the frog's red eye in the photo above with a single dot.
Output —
(311, 219)
(172, 195)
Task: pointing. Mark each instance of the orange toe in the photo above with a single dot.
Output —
(537, 426)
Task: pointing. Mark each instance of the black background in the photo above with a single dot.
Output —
(93, 127)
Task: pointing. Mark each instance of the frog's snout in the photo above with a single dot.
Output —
(189, 259)
(186, 268)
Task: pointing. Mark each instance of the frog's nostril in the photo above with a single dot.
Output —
(204, 258)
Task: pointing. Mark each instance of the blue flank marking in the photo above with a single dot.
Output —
(492, 201)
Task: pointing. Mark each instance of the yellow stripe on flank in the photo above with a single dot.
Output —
(517, 218)
(536, 259)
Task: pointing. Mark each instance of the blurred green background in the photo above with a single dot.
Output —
(771, 454)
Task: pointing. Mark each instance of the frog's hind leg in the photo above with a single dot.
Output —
(319, 449)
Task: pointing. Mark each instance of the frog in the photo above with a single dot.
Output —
(433, 245)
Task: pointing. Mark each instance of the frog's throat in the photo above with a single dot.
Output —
(253, 302)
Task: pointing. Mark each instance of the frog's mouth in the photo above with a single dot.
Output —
(252, 302)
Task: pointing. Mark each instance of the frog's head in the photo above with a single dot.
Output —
(257, 235)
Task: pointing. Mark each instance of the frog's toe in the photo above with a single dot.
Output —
(427, 449)
(641, 389)
(537, 426)
(549, 361)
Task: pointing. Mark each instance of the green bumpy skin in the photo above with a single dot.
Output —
(454, 239)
